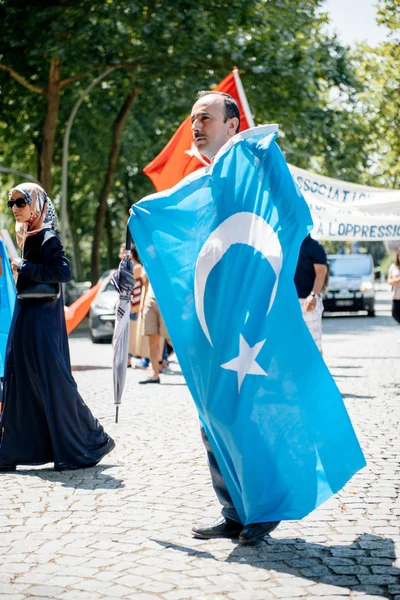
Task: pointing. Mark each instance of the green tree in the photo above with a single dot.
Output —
(61, 43)
(379, 70)
(291, 70)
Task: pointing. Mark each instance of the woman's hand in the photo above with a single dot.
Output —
(15, 263)
(393, 281)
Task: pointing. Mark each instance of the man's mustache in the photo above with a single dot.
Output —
(199, 135)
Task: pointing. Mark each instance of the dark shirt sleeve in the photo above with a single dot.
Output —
(319, 255)
(55, 267)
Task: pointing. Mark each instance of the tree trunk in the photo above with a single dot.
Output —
(111, 258)
(76, 255)
(50, 124)
(108, 182)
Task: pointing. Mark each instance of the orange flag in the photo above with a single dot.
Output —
(180, 156)
(78, 310)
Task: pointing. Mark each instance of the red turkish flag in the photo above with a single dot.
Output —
(180, 156)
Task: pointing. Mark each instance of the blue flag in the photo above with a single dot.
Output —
(221, 249)
(7, 301)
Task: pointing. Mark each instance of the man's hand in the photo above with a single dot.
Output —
(310, 303)
(320, 274)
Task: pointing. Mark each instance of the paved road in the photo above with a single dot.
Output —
(122, 529)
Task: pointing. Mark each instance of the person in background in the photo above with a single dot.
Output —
(394, 281)
(167, 352)
(138, 273)
(154, 328)
(144, 363)
(141, 359)
(44, 418)
(309, 279)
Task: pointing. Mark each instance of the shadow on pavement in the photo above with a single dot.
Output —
(83, 479)
(357, 396)
(364, 566)
(348, 376)
(345, 367)
(368, 358)
(88, 368)
(85, 333)
(350, 324)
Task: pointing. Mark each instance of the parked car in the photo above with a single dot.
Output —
(74, 290)
(102, 312)
(105, 274)
(351, 283)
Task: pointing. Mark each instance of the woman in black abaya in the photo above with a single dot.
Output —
(44, 418)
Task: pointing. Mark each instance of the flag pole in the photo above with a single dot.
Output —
(128, 241)
(243, 98)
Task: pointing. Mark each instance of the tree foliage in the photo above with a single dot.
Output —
(379, 70)
(293, 71)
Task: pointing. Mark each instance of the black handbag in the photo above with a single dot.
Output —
(40, 291)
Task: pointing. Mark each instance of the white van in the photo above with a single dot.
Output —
(351, 283)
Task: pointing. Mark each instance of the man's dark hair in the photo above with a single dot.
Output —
(231, 108)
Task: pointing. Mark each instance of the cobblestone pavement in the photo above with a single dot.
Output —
(122, 529)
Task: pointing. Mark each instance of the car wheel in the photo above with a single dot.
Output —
(371, 313)
(96, 340)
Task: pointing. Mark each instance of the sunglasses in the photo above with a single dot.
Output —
(19, 203)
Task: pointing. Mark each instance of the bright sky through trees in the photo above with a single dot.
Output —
(355, 21)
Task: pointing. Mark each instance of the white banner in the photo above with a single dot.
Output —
(347, 211)
(353, 225)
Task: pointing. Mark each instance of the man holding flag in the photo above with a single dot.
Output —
(215, 120)
(221, 248)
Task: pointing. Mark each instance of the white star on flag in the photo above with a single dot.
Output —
(245, 363)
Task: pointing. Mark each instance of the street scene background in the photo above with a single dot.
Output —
(90, 93)
(122, 528)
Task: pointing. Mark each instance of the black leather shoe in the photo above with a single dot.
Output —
(220, 528)
(256, 531)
